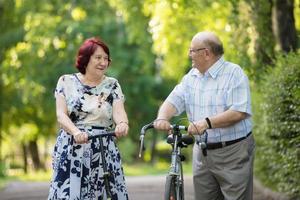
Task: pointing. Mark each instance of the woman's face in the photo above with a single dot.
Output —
(98, 62)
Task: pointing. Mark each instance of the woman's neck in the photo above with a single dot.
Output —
(92, 80)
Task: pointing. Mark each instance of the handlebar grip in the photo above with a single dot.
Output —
(103, 133)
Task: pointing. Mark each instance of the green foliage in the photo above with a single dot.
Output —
(129, 146)
(46, 49)
(174, 23)
(149, 41)
(2, 169)
(264, 37)
(238, 49)
(278, 153)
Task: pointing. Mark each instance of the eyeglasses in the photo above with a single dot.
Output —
(196, 50)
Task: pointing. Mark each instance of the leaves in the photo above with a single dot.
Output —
(281, 125)
(149, 42)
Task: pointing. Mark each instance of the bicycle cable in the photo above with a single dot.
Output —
(199, 139)
(200, 135)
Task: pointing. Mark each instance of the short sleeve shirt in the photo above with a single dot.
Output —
(224, 86)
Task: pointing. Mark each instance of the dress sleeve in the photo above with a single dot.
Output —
(117, 92)
(60, 87)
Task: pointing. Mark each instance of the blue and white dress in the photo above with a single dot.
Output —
(77, 168)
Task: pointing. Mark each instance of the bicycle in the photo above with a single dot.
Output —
(174, 186)
(106, 174)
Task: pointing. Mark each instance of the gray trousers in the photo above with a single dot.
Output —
(225, 173)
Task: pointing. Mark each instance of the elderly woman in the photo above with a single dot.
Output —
(85, 102)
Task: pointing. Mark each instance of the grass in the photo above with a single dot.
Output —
(18, 175)
(160, 168)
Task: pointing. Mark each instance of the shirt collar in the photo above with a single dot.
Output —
(195, 72)
(215, 68)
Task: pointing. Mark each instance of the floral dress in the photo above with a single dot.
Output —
(77, 168)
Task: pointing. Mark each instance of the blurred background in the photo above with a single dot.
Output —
(149, 42)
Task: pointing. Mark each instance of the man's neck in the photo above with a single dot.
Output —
(208, 65)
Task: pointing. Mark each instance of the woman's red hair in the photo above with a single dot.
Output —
(87, 49)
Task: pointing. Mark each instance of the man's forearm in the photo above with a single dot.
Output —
(166, 111)
(226, 118)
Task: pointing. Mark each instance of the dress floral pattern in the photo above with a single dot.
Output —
(77, 168)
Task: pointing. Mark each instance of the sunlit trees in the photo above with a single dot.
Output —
(149, 41)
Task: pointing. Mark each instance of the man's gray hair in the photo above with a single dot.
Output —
(215, 47)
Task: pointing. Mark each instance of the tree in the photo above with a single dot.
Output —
(284, 26)
(264, 41)
(11, 33)
(51, 46)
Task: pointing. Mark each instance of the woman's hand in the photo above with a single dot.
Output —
(121, 129)
(81, 137)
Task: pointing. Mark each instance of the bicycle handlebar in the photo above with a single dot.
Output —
(102, 133)
(146, 127)
(174, 127)
(178, 127)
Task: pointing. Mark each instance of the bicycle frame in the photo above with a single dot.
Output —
(174, 186)
(175, 182)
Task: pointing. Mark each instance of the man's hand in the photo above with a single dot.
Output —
(197, 128)
(162, 125)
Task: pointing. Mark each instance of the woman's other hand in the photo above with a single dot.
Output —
(121, 129)
(81, 137)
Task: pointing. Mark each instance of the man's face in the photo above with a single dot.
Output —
(197, 53)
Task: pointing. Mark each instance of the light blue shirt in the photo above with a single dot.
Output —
(224, 86)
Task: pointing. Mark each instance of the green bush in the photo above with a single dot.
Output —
(2, 169)
(127, 150)
(278, 127)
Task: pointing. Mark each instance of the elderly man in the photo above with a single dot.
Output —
(215, 95)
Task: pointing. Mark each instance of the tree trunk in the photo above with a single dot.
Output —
(284, 25)
(25, 159)
(265, 41)
(33, 148)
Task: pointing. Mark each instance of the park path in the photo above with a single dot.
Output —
(139, 188)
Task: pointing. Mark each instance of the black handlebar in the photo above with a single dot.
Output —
(102, 133)
(174, 127)
(178, 127)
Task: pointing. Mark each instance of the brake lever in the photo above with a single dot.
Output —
(143, 132)
(141, 145)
